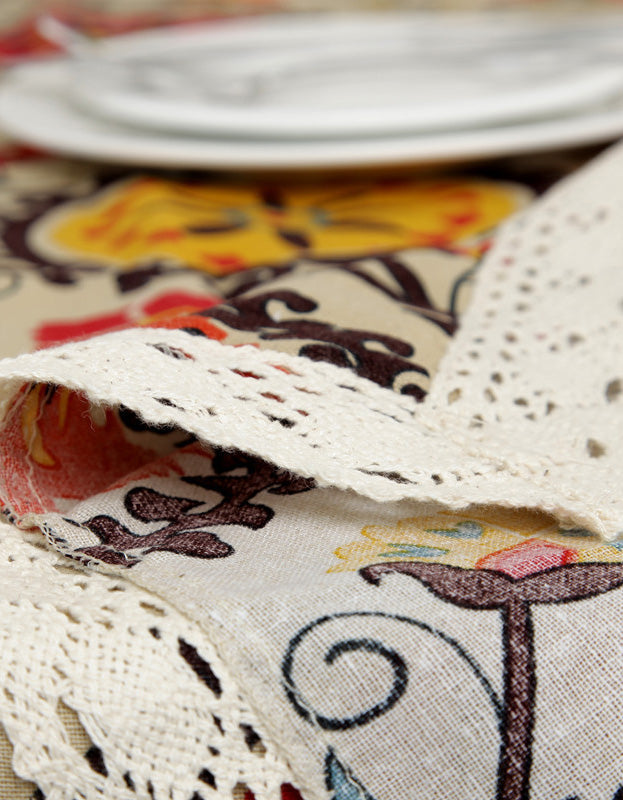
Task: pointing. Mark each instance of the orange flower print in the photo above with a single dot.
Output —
(58, 447)
(221, 227)
(514, 541)
(167, 310)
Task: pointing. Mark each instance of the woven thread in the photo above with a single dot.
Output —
(162, 714)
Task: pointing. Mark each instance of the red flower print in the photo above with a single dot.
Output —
(167, 310)
(526, 558)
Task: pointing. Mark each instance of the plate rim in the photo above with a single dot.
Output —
(28, 91)
(556, 96)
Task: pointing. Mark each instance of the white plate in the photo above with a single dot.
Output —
(34, 108)
(350, 75)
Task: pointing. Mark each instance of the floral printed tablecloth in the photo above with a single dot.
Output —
(482, 623)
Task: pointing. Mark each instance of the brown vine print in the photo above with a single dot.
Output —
(406, 287)
(186, 531)
(501, 561)
(513, 597)
(343, 347)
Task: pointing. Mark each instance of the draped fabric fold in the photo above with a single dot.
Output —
(401, 554)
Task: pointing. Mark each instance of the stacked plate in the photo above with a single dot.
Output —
(301, 91)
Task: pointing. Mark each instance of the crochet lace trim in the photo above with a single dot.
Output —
(157, 706)
(525, 410)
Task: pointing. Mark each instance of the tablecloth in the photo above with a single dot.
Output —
(354, 649)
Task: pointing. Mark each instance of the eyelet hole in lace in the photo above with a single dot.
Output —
(613, 390)
(595, 449)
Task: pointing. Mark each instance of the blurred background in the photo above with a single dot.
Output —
(99, 17)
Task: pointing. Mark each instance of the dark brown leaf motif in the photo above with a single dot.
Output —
(186, 532)
(343, 347)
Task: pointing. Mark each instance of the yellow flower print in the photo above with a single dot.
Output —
(510, 540)
(221, 227)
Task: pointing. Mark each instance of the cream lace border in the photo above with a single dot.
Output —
(525, 411)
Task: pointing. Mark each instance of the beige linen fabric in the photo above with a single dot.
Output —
(382, 640)
(507, 420)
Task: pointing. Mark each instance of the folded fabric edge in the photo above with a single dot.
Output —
(312, 419)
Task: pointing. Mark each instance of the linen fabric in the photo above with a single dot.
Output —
(406, 561)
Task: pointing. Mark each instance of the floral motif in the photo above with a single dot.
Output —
(371, 355)
(494, 560)
(526, 558)
(517, 543)
(166, 310)
(43, 469)
(513, 597)
(221, 227)
(186, 531)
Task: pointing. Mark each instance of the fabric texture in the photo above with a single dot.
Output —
(50, 295)
(504, 423)
(145, 686)
(302, 538)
